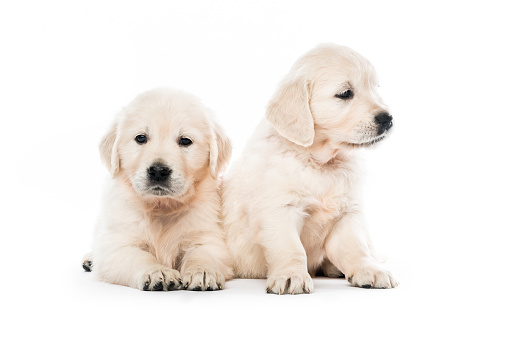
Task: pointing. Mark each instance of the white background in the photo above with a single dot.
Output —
(434, 191)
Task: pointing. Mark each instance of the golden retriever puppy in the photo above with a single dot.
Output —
(161, 207)
(291, 204)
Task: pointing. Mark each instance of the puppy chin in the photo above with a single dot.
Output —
(158, 191)
(161, 192)
(173, 191)
(367, 143)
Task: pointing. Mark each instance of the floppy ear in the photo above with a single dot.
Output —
(109, 150)
(219, 151)
(289, 111)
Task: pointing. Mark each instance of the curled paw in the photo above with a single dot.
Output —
(87, 262)
(87, 265)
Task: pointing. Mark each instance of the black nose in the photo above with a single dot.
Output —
(384, 121)
(159, 172)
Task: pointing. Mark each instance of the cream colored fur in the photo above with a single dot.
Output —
(144, 239)
(291, 202)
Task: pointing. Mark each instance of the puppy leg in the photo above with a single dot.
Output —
(134, 267)
(284, 252)
(330, 270)
(347, 248)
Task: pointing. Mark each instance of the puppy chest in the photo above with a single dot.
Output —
(162, 239)
(327, 199)
(325, 207)
(321, 216)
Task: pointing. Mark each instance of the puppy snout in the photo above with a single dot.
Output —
(159, 172)
(384, 121)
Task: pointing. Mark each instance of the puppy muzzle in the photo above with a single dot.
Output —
(384, 122)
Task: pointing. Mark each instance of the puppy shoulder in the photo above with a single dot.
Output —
(119, 208)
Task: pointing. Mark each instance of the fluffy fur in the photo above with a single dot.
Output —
(149, 231)
(291, 202)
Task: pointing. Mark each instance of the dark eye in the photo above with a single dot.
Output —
(185, 142)
(348, 94)
(141, 139)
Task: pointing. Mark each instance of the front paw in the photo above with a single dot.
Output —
(289, 283)
(372, 276)
(159, 278)
(201, 279)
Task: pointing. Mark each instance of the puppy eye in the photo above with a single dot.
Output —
(348, 94)
(141, 139)
(185, 142)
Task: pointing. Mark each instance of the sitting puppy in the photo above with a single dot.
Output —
(291, 203)
(161, 207)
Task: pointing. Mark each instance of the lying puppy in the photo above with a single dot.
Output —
(161, 207)
(291, 201)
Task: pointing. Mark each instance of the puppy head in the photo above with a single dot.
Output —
(329, 96)
(163, 143)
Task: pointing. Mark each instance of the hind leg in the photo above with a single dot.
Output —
(329, 270)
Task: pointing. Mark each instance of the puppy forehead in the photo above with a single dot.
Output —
(166, 115)
(342, 64)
